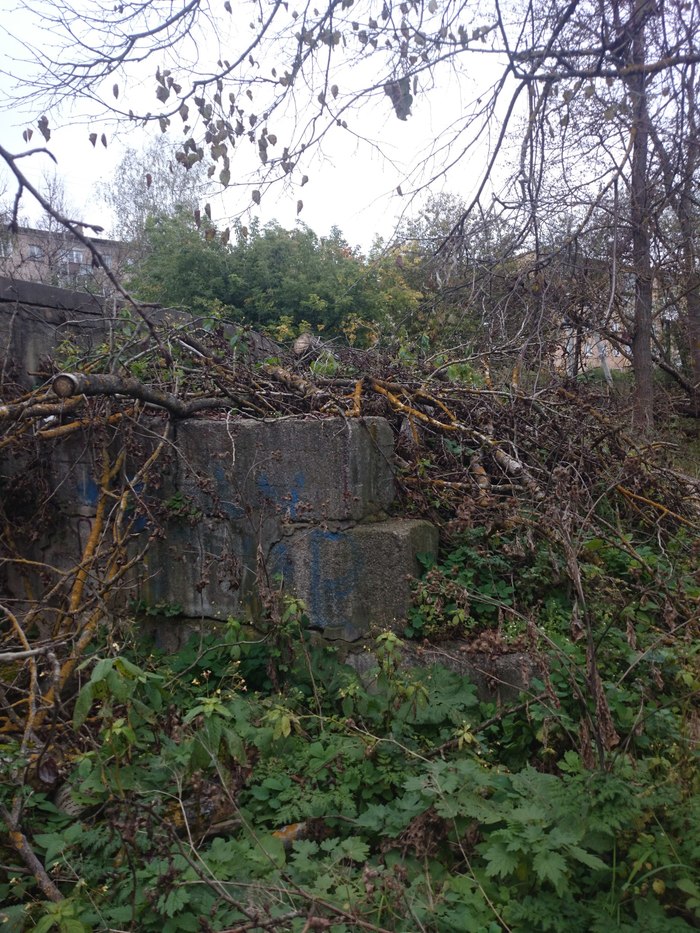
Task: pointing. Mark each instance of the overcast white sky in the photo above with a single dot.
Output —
(351, 186)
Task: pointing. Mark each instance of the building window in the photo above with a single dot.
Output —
(5, 248)
(36, 251)
(74, 256)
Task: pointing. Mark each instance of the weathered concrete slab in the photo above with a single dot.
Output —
(30, 335)
(498, 678)
(355, 578)
(205, 570)
(350, 579)
(245, 495)
(49, 297)
(73, 474)
(313, 470)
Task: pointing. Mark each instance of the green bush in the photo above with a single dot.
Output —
(254, 784)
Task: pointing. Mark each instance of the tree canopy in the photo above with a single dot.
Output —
(147, 182)
(588, 110)
(288, 280)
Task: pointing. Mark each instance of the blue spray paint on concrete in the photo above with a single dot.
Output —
(88, 490)
(329, 594)
(288, 499)
(223, 488)
(281, 563)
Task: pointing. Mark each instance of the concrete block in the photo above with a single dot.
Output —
(74, 474)
(73, 464)
(29, 334)
(355, 578)
(201, 570)
(499, 678)
(299, 471)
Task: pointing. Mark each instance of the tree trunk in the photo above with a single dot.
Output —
(642, 364)
(693, 328)
(687, 218)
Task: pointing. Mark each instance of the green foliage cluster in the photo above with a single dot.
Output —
(286, 281)
(500, 579)
(263, 784)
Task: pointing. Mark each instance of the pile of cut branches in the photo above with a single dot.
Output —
(472, 445)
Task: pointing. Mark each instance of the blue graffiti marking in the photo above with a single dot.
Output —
(88, 491)
(329, 594)
(287, 499)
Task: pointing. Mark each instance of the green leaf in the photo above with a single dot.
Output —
(101, 670)
(52, 843)
(83, 705)
(173, 902)
(269, 852)
(45, 924)
(13, 919)
(117, 686)
(210, 736)
(355, 849)
(125, 666)
(550, 866)
(69, 925)
(586, 858)
(184, 923)
(501, 862)
(235, 745)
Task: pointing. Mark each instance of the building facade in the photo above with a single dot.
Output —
(56, 257)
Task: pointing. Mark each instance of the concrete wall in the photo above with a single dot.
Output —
(35, 320)
(302, 503)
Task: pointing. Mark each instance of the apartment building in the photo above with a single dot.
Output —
(56, 257)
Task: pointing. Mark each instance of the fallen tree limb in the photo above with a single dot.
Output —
(68, 385)
(7, 656)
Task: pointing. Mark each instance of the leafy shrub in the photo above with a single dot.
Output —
(243, 783)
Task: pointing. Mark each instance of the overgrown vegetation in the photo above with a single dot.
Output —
(257, 785)
(253, 780)
(286, 281)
